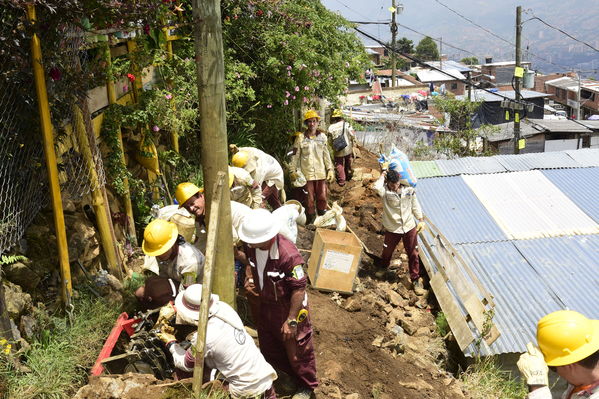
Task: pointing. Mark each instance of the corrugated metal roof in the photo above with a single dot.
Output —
(521, 297)
(506, 131)
(469, 165)
(541, 160)
(482, 95)
(453, 207)
(580, 185)
(560, 125)
(527, 205)
(585, 157)
(436, 76)
(423, 169)
(451, 65)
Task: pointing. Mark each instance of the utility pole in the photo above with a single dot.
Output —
(518, 80)
(214, 151)
(393, 44)
(578, 113)
(441, 53)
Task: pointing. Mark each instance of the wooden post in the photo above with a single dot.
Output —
(51, 163)
(214, 149)
(213, 228)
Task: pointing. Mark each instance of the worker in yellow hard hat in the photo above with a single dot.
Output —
(266, 172)
(568, 345)
(244, 189)
(169, 256)
(312, 158)
(343, 139)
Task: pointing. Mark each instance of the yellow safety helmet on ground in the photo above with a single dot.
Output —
(159, 237)
(566, 337)
(337, 113)
(311, 114)
(240, 159)
(185, 191)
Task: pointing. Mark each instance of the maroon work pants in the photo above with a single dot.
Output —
(271, 195)
(318, 189)
(343, 167)
(410, 243)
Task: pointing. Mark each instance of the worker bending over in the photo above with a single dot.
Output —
(402, 220)
(312, 159)
(266, 172)
(244, 189)
(277, 276)
(568, 345)
(229, 348)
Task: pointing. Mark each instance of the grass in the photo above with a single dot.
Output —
(60, 358)
(485, 380)
(442, 325)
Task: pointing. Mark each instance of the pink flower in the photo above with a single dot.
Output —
(156, 128)
(330, 78)
(131, 77)
(288, 73)
(289, 67)
(269, 106)
(316, 72)
(293, 97)
(125, 88)
(305, 100)
(296, 88)
(168, 96)
(306, 88)
(287, 94)
(286, 102)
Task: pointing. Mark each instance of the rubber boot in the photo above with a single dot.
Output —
(310, 218)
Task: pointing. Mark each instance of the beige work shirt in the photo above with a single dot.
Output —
(401, 209)
(245, 189)
(264, 168)
(339, 128)
(312, 156)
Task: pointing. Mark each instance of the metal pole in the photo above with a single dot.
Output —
(214, 149)
(441, 53)
(213, 228)
(110, 90)
(518, 80)
(578, 99)
(51, 164)
(393, 44)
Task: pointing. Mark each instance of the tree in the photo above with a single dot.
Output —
(427, 49)
(469, 60)
(405, 45)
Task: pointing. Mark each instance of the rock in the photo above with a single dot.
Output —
(28, 326)
(378, 341)
(353, 305)
(353, 396)
(397, 344)
(397, 330)
(422, 331)
(21, 274)
(333, 392)
(114, 282)
(418, 385)
(68, 206)
(408, 327)
(17, 301)
(394, 298)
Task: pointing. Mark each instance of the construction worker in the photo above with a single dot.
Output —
(311, 157)
(191, 197)
(402, 220)
(342, 139)
(276, 274)
(169, 256)
(229, 348)
(265, 170)
(244, 189)
(568, 345)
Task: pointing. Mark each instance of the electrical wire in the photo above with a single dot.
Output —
(565, 33)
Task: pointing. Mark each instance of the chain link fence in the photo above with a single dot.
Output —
(23, 177)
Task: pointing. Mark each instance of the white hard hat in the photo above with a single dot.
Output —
(188, 302)
(259, 226)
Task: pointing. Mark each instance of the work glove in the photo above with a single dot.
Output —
(330, 176)
(166, 314)
(384, 166)
(166, 335)
(293, 176)
(420, 227)
(532, 366)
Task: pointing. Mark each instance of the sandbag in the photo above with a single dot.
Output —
(332, 218)
(288, 215)
(399, 162)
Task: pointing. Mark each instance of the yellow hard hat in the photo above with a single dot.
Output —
(185, 191)
(231, 177)
(337, 113)
(566, 336)
(311, 114)
(159, 237)
(240, 159)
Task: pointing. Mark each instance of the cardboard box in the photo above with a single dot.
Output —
(334, 261)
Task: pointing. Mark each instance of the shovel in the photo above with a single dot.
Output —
(377, 259)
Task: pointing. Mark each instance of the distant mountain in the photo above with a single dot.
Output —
(577, 17)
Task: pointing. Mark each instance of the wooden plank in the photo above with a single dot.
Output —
(459, 327)
(478, 318)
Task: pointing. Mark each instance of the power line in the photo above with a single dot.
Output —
(465, 81)
(565, 33)
(444, 42)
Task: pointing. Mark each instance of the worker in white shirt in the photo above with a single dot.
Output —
(229, 348)
(343, 139)
(568, 345)
(244, 189)
(265, 170)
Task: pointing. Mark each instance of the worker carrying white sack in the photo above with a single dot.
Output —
(265, 170)
(244, 189)
(569, 346)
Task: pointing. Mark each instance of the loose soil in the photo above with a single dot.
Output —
(379, 343)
